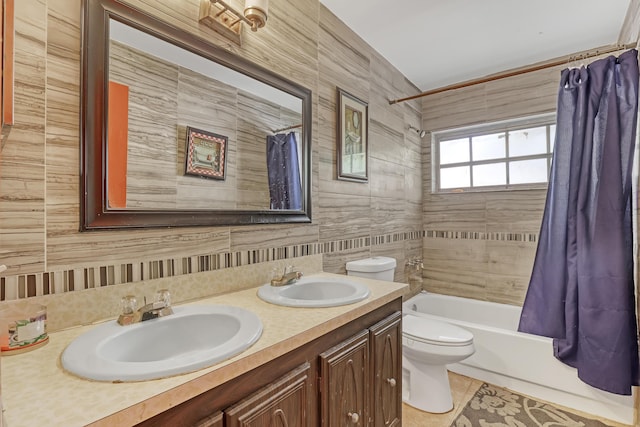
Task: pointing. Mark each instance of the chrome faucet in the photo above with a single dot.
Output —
(159, 308)
(154, 310)
(289, 277)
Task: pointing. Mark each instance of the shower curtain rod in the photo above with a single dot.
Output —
(518, 71)
(287, 128)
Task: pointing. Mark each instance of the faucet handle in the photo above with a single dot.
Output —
(163, 296)
(129, 312)
(129, 304)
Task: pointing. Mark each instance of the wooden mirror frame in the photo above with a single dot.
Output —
(94, 213)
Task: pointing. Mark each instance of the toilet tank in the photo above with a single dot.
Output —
(377, 267)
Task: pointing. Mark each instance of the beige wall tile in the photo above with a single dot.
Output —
(509, 270)
(271, 236)
(40, 177)
(506, 289)
(456, 267)
(527, 94)
(344, 216)
(387, 143)
(490, 215)
(105, 248)
(630, 31)
(515, 211)
(388, 181)
(510, 258)
(389, 215)
(454, 108)
(22, 215)
(456, 212)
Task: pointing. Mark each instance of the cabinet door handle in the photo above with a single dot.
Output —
(354, 417)
(279, 413)
(391, 381)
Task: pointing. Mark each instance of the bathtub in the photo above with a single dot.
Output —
(518, 361)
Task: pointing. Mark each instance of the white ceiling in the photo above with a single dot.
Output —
(435, 43)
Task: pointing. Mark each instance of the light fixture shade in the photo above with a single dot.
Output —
(257, 12)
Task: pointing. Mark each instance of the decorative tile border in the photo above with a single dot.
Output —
(476, 235)
(57, 282)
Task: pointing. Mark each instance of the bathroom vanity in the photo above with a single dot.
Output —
(358, 371)
(311, 366)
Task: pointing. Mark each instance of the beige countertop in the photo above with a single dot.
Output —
(37, 391)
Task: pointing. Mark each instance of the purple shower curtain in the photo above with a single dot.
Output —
(581, 291)
(285, 189)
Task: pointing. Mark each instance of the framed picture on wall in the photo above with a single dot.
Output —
(353, 138)
(206, 154)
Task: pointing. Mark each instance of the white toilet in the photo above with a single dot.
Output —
(428, 346)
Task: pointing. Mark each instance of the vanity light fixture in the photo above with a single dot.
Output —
(256, 12)
(225, 19)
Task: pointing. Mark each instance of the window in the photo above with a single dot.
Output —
(501, 155)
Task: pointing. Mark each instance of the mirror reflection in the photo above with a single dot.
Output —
(177, 131)
(198, 135)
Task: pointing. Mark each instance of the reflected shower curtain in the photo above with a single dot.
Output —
(581, 291)
(285, 189)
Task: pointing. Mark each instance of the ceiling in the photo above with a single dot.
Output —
(435, 43)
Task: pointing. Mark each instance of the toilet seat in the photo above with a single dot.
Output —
(428, 346)
(435, 332)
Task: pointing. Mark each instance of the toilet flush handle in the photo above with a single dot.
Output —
(391, 381)
(354, 417)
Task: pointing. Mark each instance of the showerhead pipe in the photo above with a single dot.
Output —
(420, 132)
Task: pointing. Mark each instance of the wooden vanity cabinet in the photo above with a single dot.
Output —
(361, 378)
(344, 383)
(283, 403)
(215, 420)
(287, 391)
(386, 362)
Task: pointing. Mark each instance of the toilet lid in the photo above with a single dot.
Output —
(434, 332)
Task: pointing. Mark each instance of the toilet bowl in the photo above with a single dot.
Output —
(428, 346)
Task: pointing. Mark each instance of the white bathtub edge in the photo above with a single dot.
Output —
(619, 413)
(529, 366)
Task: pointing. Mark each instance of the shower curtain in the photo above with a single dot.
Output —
(285, 189)
(581, 291)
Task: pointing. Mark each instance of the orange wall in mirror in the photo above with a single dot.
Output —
(6, 62)
(117, 128)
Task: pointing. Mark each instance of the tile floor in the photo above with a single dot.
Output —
(462, 389)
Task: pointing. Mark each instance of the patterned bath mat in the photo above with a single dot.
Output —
(493, 406)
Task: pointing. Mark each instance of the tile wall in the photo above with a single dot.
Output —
(394, 214)
(482, 244)
(39, 162)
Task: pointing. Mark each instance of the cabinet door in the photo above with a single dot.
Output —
(344, 383)
(386, 361)
(214, 420)
(283, 403)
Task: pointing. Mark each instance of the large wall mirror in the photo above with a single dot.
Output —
(179, 132)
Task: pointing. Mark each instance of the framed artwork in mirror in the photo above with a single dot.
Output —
(206, 154)
(353, 138)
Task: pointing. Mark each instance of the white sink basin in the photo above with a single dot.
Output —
(192, 338)
(315, 292)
